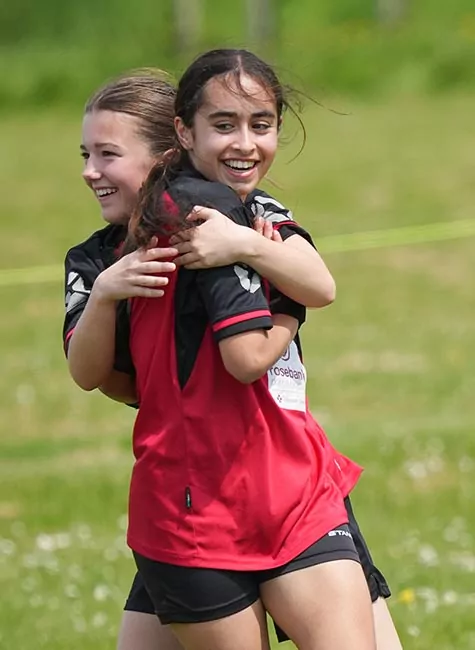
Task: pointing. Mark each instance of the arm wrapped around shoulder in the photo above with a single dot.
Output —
(249, 355)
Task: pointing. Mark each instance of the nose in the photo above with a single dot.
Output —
(90, 172)
(245, 141)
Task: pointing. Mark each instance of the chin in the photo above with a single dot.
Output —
(115, 220)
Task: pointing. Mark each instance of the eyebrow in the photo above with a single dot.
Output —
(99, 144)
(259, 114)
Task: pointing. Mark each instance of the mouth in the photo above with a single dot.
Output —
(240, 168)
(104, 192)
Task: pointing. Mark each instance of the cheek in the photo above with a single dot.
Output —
(136, 178)
(271, 149)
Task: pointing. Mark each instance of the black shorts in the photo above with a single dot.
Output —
(140, 601)
(184, 594)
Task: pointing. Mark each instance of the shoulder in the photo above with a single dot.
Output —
(97, 252)
(104, 239)
(199, 191)
(264, 205)
(86, 260)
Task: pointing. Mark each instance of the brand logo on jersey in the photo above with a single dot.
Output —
(268, 208)
(286, 355)
(340, 533)
(76, 292)
(249, 280)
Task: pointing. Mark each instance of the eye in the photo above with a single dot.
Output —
(224, 127)
(262, 126)
(107, 154)
(84, 155)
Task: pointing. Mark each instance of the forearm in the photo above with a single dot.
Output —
(249, 356)
(278, 340)
(92, 344)
(293, 267)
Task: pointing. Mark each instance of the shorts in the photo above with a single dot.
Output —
(184, 594)
(140, 601)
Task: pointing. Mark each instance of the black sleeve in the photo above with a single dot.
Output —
(263, 205)
(280, 304)
(233, 295)
(234, 300)
(80, 273)
(123, 358)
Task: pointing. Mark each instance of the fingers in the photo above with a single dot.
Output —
(200, 213)
(259, 225)
(150, 281)
(157, 253)
(156, 267)
(184, 247)
(183, 235)
(268, 229)
(190, 261)
(143, 292)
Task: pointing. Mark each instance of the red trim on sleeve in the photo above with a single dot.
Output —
(227, 322)
(68, 336)
(278, 224)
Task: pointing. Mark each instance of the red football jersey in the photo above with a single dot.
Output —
(227, 475)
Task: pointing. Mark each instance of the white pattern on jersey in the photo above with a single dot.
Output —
(264, 206)
(249, 280)
(76, 292)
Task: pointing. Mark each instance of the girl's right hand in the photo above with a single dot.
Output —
(136, 275)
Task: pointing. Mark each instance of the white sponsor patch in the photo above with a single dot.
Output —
(249, 280)
(76, 292)
(287, 380)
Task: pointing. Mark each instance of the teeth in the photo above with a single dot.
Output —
(105, 191)
(240, 164)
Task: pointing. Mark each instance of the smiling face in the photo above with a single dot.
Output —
(117, 162)
(234, 135)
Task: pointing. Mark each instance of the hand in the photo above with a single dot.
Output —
(135, 275)
(265, 228)
(217, 241)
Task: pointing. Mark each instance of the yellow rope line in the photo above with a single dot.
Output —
(358, 241)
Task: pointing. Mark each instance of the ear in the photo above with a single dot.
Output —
(184, 134)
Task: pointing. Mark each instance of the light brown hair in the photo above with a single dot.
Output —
(148, 95)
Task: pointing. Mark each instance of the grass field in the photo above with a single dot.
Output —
(390, 374)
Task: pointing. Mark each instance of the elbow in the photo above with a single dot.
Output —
(85, 384)
(245, 373)
(247, 377)
(85, 381)
(325, 295)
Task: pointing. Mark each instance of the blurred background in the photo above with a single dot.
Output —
(385, 184)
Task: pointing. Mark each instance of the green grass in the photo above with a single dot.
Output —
(390, 374)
